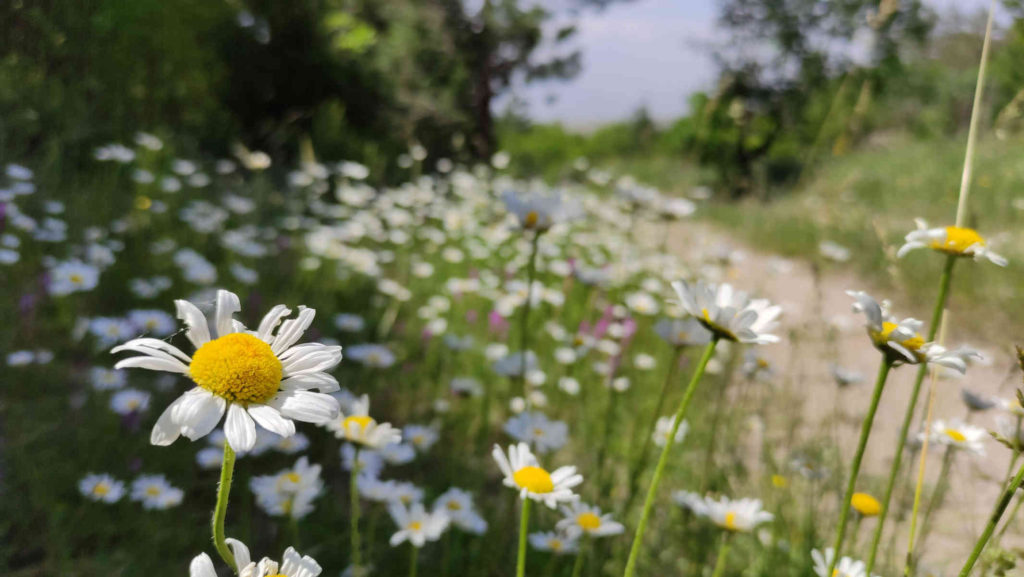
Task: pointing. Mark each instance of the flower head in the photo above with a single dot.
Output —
(359, 427)
(458, 504)
(416, 525)
(958, 434)
(845, 567)
(742, 515)
(539, 212)
(557, 543)
(583, 519)
(524, 474)
(952, 240)
(155, 492)
(865, 504)
(292, 565)
(729, 314)
(102, 488)
(257, 376)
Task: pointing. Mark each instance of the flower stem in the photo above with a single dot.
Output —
(641, 462)
(413, 560)
(865, 432)
(659, 471)
(524, 321)
(227, 469)
(997, 513)
(723, 552)
(353, 495)
(908, 417)
(524, 522)
(577, 566)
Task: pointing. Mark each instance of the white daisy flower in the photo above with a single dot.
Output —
(583, 519)
(538, 430)
(416, 525)
(539, 212)
(129, 401)
(292, 565)
(291, 492)
(101, 488)
(846, 567)
(256, 377)
(663, 428)
(371, 355)
(358, 427)
(553, 542)
(420, 436)
(952, 240)
(959, 434)
(729, 314)
(524, 474)
(900, 341)
(155, 492)
(742, 515)
(458, 504)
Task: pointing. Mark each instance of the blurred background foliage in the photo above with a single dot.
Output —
(799, 81)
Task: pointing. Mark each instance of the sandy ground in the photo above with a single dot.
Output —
(817, 306)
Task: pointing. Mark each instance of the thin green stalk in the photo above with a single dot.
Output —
(524, 522)
(353, 495)
(997, 513)
(577, 566)
(723, 553)
(413, 560)
(865, 432)
(524, 321)
(938, 494)
(641, 462)
(227, 469)
(659, 471)
(940, 304)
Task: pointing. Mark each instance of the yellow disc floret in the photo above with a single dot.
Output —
(588, 521)
(865, 504)
(730, 521)
(534, 480)
(238, 367)
(958, 240)
(531, 219)
(956, 435)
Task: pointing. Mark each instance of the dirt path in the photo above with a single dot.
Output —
(817, 307)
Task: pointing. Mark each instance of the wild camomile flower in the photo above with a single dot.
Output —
(865, 505)
(553, 542)
(155, 492)
(458, 505)
(729, 314)
(846, 567)
(583, 519)
(371, 355)
(538, 431)
(101, 488)
(292, 565)
(421, 437)
(958, 434)
(740, 516)
(416, 525)
(256, 377)
(129, 401)
(358, 427)
(291, 492)
(663, 428)
(524, 474)
(901, 342)
(71, 277)
(952, 240)
(539, 212)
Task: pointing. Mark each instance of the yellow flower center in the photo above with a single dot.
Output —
(101, 489)
(682, 336)
(715, 327)
(293, 477)
(454, 506)
(730, 521)
(913, 344)
(76, 278)
(588, 521)
(415, 526)
(361, 421)
(779, 482)
(538, 432)
(958, 240)
(238, 367)
(555, 544)
(534, 480)
(865, 504)
(153, 491)
(531, 219)
(956, 435)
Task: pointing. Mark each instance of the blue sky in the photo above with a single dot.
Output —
(645, 52)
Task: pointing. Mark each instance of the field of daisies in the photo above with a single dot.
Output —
(228, 366)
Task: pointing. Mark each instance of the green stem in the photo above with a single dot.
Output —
(524, 321)
(413, 560)
(577, 566)
(659, 471)
(997, 513)
(524, 522)
(908, 416)
(865, 432)
(723, 552)
(353, 494)
(938, 494)
(641, 462)
(227, 469)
